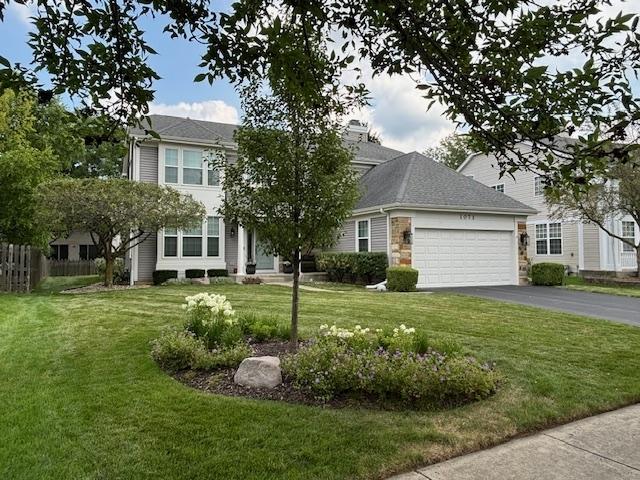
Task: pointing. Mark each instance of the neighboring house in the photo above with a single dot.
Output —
(77, 246)
(580, 246)
(454, 230)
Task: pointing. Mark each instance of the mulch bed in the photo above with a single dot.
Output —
(221, 382)
(99, 287)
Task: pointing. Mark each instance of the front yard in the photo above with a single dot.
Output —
(577, 283)
(81, 397)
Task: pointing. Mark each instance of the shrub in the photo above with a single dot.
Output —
(402, 279)
(177, 350)
(263, 328)
(161, 276)
(331, 369)
(365, 267)
(217, 272)
(547, 274)
(194, 273)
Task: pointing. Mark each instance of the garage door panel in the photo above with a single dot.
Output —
(463, 257)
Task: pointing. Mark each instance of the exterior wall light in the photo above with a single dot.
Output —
(407, 237)
(524, 239)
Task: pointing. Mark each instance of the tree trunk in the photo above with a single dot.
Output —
(295, 300)
(108, 272)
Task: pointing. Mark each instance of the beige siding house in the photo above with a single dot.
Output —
(579, 246)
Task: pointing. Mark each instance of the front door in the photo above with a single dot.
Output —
(264, 261)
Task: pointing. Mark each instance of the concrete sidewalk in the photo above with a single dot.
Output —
(604, 447)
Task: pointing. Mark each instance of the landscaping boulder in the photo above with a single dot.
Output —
(259, 372)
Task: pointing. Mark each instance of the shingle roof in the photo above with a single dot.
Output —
(413, 180)
(210, 132)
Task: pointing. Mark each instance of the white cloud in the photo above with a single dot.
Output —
(23, 12)
(210, 110)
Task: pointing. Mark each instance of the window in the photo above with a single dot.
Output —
(59, 252)
(213, 236)
(88, 252)
(170, 242)
(628, 233)
(192, 242)
(499, 187)
(549, 239)
(213, 176)
(192, 167)
(171, 165)
(363, 235)
(539, 183)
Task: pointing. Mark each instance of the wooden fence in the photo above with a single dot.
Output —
(21, 267)
(67, 268)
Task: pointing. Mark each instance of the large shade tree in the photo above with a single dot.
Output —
(293, 183)
(452, 150)
(498, 66)
(119, 214)
(604, 203)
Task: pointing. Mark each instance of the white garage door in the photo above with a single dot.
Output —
(447, 258)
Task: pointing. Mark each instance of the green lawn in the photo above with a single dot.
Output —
(57, 284)
(577, 283)
(81, 398)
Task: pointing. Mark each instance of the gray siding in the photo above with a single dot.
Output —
(147, 252)
(379, 234)
(347, 238)
(231, 247)
(570, 247)
(591, 235)
(149, 163)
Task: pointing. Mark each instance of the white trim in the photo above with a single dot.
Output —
(203, 253)
(467, 161)
(443, 208)
(204, 185)
(580, 246)
(535, 195)
(358, 237)
(495, 187)
(547, 222)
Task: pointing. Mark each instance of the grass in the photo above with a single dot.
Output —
(578, 283)
(57, 284)
(81, 397)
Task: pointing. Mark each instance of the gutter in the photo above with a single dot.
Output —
(444, 208)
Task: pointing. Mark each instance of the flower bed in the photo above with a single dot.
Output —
(394, 367)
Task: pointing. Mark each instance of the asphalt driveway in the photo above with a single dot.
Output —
(610, 307)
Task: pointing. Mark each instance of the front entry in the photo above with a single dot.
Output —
(264, 261)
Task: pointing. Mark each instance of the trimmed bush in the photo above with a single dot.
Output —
(402, 279)
(161, 276)
(550, 274)
(194, 273)
(217, 272)
(364, 267)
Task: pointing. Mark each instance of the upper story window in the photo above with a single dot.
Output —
(539, 183)
(628, 233)
(549, 239)
(499, 187)
(171, 165)
(363, 235)
(188, 166)
(192, 167)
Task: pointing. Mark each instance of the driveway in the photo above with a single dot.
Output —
(599, 305)
(596, 448)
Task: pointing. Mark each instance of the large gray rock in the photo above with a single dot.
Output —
(259, 372)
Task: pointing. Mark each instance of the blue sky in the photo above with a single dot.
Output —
(397, 112)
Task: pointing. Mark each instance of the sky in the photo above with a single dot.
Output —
(397, 112)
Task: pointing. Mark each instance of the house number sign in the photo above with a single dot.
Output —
(467, 216)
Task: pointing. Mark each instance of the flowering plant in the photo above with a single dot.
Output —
(211, 318)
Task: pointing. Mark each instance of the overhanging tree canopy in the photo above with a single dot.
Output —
(497, 65)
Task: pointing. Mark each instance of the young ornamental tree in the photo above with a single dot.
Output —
(292, 184)
(616, 196)
(119, 214)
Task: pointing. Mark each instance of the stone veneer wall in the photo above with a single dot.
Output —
(400, 251)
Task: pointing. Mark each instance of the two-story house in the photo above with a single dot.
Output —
(582, 247)
(454, 230)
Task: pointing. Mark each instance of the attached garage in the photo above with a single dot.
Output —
(455, 231)
(454, 258)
